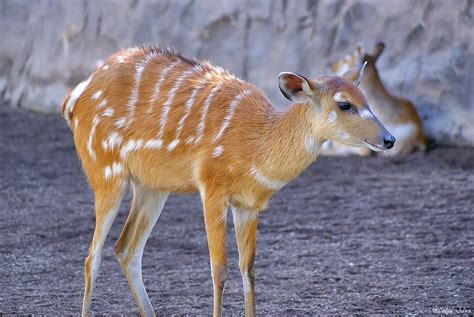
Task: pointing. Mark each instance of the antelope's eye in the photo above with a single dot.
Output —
(344, 105)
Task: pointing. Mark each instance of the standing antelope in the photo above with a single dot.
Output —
(163, 123)
(398, 114)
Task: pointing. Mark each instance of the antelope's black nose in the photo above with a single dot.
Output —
(388, 141)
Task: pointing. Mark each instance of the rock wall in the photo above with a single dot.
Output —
(48, 45)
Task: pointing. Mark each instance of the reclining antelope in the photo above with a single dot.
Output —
(164, 123)
(398, 114)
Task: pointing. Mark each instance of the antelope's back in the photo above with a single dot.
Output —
(154, 115)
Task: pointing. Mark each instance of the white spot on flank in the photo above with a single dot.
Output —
(187, 110)
(332, 117)
(161, 79)
(338, 97)
(75, 94)
(217, 151)
(107, 172)
(113, 140)
(262, 180)
(105, 67)
(153, 144)
(97, 95)
(120, 123)
(366, 114)
(173, 144)
(102, 104)
(108, 112)
(95, 122)
(120, 59)
(132, 100)
(117, 168)
(230, 113)
(205, 108)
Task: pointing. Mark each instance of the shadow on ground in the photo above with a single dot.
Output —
(350, 235)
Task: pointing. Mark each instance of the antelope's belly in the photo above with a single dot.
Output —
(162, 172)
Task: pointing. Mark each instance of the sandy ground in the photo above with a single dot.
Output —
(350, 235)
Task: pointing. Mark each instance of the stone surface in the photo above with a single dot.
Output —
(47, 46)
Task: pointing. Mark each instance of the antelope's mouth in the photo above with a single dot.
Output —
(373, 146)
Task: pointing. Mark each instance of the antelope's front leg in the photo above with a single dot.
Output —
(215, 214)
(245, 223)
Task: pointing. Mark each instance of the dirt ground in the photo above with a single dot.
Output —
(350, 235)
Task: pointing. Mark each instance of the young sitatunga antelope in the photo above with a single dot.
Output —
(398, 114)
(163, 123)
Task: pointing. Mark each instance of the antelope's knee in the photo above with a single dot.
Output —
(220, 275)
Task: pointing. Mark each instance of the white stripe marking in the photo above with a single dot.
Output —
(120, 123)
(269, 183)
(190, 140)
(230, 113)
(108, 112)
(95, 122)
(204, 110)
(156, 89)
(132, 100)
(173, 144)
(130, 146)
(171, 94)
(76, 123)
(187, 110)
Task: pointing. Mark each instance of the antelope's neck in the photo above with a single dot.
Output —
(373, 86)
(289, 143)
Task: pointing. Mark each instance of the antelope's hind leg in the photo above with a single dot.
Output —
(145, 211)
(107, 201)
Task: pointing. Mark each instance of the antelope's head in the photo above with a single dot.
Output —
(341, 111)
(357, 57)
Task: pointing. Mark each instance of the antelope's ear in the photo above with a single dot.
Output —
(377, 50)
(296, 87)
(355, 74)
